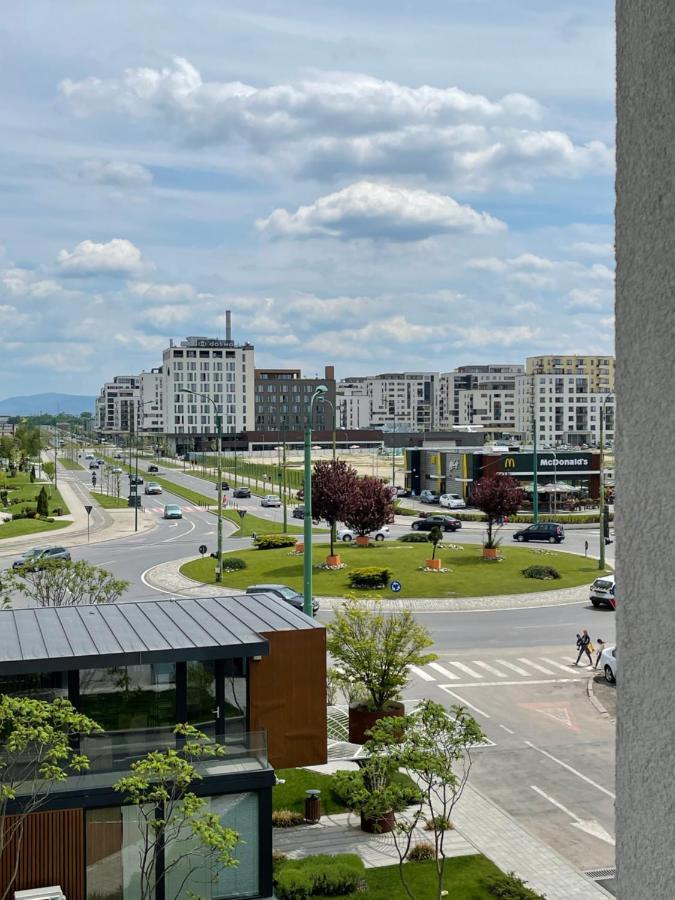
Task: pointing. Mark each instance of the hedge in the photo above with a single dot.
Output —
(369, 577)
(527, 518)
(232, 564)
(329, 876)
(273, 541)
(545, 573)
(510, 887)
(414, 537)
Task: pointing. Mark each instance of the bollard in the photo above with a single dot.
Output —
(312, 806)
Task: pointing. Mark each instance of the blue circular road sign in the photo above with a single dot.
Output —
(395, 586)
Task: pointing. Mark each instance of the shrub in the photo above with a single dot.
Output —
(278, 857)
(414, 537)
(232, 564)
(31, 513)
(329, 876)
(438, 823)
(4, 498)
(369, 577)
(292, 884)
(510, 887)
(274, 541)
(421, 851)
(286, 818)
(545, 573)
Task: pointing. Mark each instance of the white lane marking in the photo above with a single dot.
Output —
(590, 826)
(488, 668)
(160, 590)
(192, 527)
(465, 669)
(462, 701)
(529, 662)
(552, 662)
(421, 673)
(522, 681)
(514, 668)
(571, 769)
(444, 672)
(507, 729)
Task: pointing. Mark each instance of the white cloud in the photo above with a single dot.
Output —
(115, 173)
(367, 209)
(19, 282)
(504, 336)
(164, 292)
(590, 298)
(73, 358)
(164, 316)
(589, 248)
(534, 271)
(118, 257)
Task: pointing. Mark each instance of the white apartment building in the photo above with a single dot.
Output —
(118, 406)
(478, 395)
(397, 401)
(151, 414)
(563, 398)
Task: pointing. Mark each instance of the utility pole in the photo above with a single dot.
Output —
(307, 555)
(601, 557)
(284, 492)
(219, 431)
(535, 462)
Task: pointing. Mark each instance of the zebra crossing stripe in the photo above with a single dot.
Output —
(492, 671)
(444, 672)
(463, 668)
(421, 674)
(528, 662)
(514, 668)
(552, 662)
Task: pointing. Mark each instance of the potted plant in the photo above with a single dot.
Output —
(497, 496)
(373, 792)
(434, 537)
(369, 508)
(375, 650)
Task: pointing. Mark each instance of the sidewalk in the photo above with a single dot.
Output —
(167, 577)
(480, 827)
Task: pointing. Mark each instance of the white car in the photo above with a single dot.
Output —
(270, 500)
(347, 534)
(608, 664)
(602, 591)
(451, 501)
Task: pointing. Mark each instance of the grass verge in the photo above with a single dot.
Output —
(22, 494)
(69, 463)
(108, 502)
(20, 527)
(291, 795)
(467, 575)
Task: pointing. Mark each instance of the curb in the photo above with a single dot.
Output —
(595, 702)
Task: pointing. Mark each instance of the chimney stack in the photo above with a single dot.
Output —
(228, 325)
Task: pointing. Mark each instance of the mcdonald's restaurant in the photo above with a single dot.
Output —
(571, 478)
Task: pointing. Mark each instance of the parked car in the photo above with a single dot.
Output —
(445, 523)
(283, 592)
(173, 512)
(348, 534)
(100, 462)
(93, 464)
(153, 488)
(298, 512)
(270, 500)
(116, 470)
(135, 479)
(451, 501)
(429, 497)
(38, 555)
(602, 591)
(552, 532)
(89, 455)
(402, 492)
(224, 486)
(118, 456)
(608, 664)
(153, 468)
(241, 492)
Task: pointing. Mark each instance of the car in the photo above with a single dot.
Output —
(89, 456)
(298, 512)
(154, 469)
(100, 462)
(153, 488)
(553, 532)
(602, 592)
(402, 492)
(241, 492)
(116, 470)
(224, 486)
(429, 497)
(93, 464)
(445, 523)
(608, 664)
(135, 479)
(283, 592)
(270, 500)
(38, 555)
(451, 501)
(118, 456)
(348, 534)
(173, 512)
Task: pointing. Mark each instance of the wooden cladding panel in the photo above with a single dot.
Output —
(287, 697)
(52, 852)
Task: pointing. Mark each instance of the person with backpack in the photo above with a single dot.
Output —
(584, 645)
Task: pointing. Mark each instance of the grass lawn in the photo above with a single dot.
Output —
(69, 463)
(468, 576)
(108, 502)
(251, 524)
(291, 795)
(23, 493)
(20, 527)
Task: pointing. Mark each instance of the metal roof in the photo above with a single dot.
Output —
(95, 636)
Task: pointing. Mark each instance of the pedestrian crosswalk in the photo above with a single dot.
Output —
(506, 671)
(160, 509)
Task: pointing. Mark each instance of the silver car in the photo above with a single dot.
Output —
(270, 500)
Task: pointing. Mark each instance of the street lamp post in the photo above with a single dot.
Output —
(535, 462)
(307, 556)
(601, 557)
(323, 399)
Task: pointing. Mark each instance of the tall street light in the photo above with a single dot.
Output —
(219, 431)
(323, 399)
(601, 558)
(307, 556)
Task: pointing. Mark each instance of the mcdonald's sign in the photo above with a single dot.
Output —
(510, 462)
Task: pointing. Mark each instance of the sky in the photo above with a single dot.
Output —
(377, 186)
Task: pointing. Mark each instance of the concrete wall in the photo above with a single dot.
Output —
(646, 494)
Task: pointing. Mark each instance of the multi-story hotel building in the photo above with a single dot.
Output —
(282, 397)
(118, 406)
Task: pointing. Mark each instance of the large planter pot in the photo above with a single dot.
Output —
(379, 824)
(299, 547)
(362, 540)
(434, 564)
(489, 553)
(362, 719)
(333, 560)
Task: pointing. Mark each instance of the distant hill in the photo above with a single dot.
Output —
(34, 404)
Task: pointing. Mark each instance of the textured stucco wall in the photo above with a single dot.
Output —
(646, 448)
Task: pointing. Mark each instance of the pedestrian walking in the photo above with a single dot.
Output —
(601, 646)
(583, 645)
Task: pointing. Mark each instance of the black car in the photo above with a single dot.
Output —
(241, 492)
(445, 523)
(224, 486)
(298, 512)
(153, 468)
(135, 479)
(284, 593)
(552, 532)
(93, 464)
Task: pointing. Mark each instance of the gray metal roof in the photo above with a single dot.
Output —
(95, 636)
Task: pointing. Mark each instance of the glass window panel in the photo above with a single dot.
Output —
(201, 694)
(114, 843)
(122, 698)
(36, 685)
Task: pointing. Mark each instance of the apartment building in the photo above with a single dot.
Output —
(118, 406)
(395, 401)
(478, 395)
(151, 415)
(282, 397)
(564, 397)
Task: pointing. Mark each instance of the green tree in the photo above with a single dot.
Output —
(435, 537)
(497, 496)
(8, 449)
(36, 754)
(43, 502)
(432, 746)
(28, 438)
(64, 583)
(375, 650)
(170, 813)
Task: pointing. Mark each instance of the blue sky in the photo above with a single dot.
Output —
(378, 186)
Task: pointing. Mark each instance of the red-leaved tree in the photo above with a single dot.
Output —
(334, 483)
(370, 506)
(497, 496)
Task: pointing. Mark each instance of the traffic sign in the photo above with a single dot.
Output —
(395, 586)
(89, 509)
(203, 548)
(242, 513)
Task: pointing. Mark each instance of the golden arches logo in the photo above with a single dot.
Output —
(509, 463)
